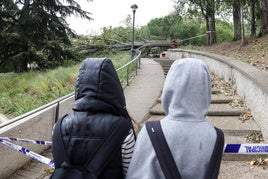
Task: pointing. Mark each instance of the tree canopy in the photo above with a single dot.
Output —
(36, 31)
(254, 11)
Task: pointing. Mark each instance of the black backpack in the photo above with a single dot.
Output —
(94, 166)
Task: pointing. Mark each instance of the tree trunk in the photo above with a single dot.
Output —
(243, 41)
(264, 17)
(212, 29)
(210, 21)
(24, 65)
(208, 31)
(236, 20)
(252, 5)
(21, 66)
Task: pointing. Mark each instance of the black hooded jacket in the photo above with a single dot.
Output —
(99, 105)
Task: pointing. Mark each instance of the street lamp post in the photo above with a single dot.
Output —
(133, 7)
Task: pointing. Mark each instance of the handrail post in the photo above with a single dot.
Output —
(126, 66)
(139, 59)
(136, 65)
(127, 74)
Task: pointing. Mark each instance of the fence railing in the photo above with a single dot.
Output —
(125, 70)
(128, 67)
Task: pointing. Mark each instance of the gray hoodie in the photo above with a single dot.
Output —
(185, 99)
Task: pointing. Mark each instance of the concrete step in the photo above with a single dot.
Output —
(241, 170)
(215, 91)
(229, 139)
(166, 63)
(216, 97)
(156, 117)
(224, 110)
(231, 125)
(214, 110)
(157, 110)
(29, 171)
(221, 98)
(232, 136)
(242, 157)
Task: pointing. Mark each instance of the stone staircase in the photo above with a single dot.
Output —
(227, 112)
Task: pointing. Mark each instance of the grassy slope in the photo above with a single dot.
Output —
(23, 92)
(255, 52)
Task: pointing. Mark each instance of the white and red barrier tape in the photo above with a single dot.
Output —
(246, 148)
(29, 153)
(228, 148)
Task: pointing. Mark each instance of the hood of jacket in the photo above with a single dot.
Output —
(98, 88)
(187, 90)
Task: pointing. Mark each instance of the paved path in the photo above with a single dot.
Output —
(144, 89)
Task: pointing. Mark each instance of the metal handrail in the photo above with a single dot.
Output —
(57, 101)
(127, 64)
(136, 59)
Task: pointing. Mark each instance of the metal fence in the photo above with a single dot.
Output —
(128, 67)
(124, 71)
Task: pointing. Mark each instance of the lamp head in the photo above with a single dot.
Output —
(134, 7)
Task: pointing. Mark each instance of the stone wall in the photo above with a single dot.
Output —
(35, 125)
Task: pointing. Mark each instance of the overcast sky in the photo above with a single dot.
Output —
(112, 12)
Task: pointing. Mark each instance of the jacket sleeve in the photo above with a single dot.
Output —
(127, 148)
(144, 163)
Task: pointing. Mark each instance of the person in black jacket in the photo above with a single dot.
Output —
(98, 109)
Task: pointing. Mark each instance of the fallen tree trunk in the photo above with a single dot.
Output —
(121, 46)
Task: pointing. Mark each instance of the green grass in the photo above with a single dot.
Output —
(23, 92)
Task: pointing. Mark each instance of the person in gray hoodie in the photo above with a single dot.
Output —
(191, 138)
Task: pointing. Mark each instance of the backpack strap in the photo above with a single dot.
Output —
(162, 150)
(102, 157)
(59, 151)
(112, 141)
(215, 160)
